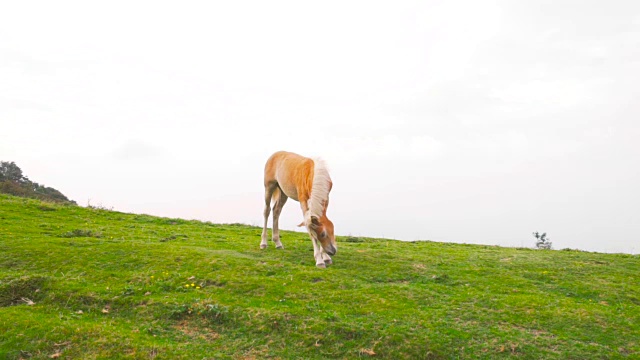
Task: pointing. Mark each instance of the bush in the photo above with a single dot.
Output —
(542, 241)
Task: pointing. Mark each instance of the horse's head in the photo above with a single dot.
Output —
(321, 229)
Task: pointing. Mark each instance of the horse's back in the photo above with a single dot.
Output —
(292, 172)
(281, 156)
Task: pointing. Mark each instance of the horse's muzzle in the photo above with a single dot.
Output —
(331, 250)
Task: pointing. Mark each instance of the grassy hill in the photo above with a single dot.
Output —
(81, 283)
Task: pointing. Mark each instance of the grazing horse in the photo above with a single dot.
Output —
(289, 175)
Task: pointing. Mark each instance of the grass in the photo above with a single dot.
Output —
(82, 283)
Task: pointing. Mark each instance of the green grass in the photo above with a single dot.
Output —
(109, 285)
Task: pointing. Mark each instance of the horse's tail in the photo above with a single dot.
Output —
(276, 194)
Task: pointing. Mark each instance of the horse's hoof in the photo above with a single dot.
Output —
(321, 266)
(328, 262)
(263, 246)
(280, 247)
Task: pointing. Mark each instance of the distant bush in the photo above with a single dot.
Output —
(542, 241)
(353, 239)
(13, 182)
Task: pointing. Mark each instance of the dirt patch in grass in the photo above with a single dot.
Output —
(22, 290)
(196, 332)
(81, 233)
(173, 237)
(46, 207)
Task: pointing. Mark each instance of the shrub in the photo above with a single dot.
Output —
(542, 241)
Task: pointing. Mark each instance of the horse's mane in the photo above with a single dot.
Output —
(320, 188)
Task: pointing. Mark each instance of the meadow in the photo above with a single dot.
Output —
(88, 283)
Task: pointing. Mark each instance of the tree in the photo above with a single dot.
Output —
(13, 182)
(9, 171)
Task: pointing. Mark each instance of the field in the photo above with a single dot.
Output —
(83, 283)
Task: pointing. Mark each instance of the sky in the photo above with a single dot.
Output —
(458, 121)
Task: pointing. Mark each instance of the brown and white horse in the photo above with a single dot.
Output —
(289, 175)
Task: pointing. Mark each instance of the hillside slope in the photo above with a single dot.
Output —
(85, 283)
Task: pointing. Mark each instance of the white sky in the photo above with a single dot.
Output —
(466, 121)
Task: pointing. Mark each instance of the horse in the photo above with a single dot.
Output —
(306, 180)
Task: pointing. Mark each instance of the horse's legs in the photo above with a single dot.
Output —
(317, 247)
(317, 253)
(326, 258)
(281, 199)
(268, 192)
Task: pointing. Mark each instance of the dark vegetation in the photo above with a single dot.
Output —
(13, 182)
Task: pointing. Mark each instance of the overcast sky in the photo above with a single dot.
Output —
(463, 121)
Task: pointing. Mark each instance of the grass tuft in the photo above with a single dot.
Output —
(212, 312)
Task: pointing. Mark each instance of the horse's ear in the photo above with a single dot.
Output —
(311, 222)
(301, 224)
